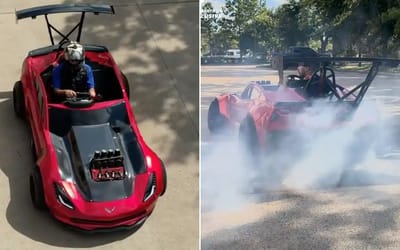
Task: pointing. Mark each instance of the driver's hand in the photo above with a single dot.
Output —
(70, 93)
(92, 93)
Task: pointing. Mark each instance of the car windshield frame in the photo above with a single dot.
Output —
(62, 118)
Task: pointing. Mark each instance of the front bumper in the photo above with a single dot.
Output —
(72, 219)
(132, 228)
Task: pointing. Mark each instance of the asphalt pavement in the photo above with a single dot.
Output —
(155, 43)
(311, 203)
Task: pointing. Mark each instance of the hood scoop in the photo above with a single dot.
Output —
(98, 163)
(107, 165)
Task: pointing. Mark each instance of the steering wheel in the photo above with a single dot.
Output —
(295, 81)
(82, 100)
(294, 77)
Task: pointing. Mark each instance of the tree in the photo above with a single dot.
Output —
(239, 16)
(362, 26)
(288, 28)
(391, 19)
(224, 40)
(385, 26)
(262, 31)
(208, 27)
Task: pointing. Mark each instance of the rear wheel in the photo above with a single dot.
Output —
(33, 149)
(216, 122)
(248, 138)
(36, 189)
(18, 100)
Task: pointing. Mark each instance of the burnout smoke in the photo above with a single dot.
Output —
(224, 176)
(319, 153)
(328, 149)
(333, 154)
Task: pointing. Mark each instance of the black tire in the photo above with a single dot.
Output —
(217, 123)
(33, 149)
(164, 171)
(126, 85)
(36, 189)
(248, 138)
(18, 100)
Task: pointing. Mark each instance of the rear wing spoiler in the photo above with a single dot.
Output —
(64, 8)
(322, 65)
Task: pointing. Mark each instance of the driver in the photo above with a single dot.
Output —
(317, 87)
(73, 75)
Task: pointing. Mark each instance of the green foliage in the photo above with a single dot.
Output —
(209, 27)
(392, 18)
(347, 27)
(240, 19)
(288, 27)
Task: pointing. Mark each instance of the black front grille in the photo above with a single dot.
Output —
(108, 222)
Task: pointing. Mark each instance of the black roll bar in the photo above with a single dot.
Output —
(325, 62)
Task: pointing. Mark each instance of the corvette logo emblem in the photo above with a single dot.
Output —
(110, 210)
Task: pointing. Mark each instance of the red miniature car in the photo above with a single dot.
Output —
(264, 112)
(93, 170)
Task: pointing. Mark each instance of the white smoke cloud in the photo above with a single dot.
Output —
(224, 176)
(324, 155)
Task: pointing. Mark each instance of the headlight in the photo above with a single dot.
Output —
(151, 187)
(62, 196)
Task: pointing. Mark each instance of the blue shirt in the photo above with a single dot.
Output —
(57, 76)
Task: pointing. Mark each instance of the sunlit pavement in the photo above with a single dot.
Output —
(263, 207)
(155, 44)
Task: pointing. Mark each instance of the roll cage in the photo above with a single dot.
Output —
(325, 71)
(64, 8)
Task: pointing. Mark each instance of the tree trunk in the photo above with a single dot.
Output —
(324, 44)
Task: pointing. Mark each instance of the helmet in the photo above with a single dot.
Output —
(74, 52)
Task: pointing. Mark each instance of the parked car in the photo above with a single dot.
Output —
(296, 53)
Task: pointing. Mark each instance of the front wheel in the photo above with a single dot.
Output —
(36, 189)
(18, 100)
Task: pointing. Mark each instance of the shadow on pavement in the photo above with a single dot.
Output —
(152, 47)
(312, 222)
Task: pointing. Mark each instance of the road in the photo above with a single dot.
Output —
(155, 43)
(313, 205)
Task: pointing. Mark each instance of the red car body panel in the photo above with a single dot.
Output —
(87, 215)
